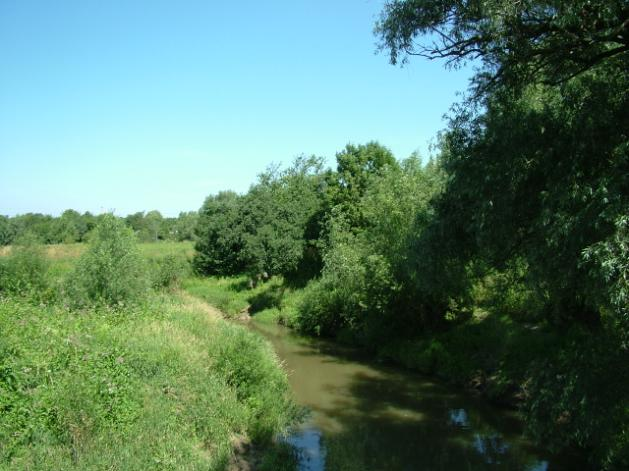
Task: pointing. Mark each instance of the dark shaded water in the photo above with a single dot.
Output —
(365, 416)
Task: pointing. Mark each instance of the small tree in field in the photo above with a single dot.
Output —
(111, 272)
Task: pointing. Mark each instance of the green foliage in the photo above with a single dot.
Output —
(73, 227)
(508, 292)
(532, 216)
(578, 395)
(169, 271)
(229, 295)
(219, 236)
(565, 199)
(7, 231)
(39, 226)
(149, 227)
(275, 300)
(264, 231)
(148, 388)
(111, 271)
(356, 167)
(609, 266)
(184, 226)
(365, 265)
(25, 270)
(277, 213)
(516, 42)
(249, 365)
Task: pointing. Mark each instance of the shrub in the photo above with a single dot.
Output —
(167, 272)
(111, 271)
(24, 271)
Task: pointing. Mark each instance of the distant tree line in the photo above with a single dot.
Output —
(73, 226)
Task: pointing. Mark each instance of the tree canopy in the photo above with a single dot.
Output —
(517, 42)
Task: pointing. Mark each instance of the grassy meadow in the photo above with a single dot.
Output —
(163, 382)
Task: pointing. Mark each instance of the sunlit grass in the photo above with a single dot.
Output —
(165, 248)
(146, 388)
(165, 383)
(148, 249)
(270, 301)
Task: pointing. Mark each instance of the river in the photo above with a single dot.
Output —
(368, 416)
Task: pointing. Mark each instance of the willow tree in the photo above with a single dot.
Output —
(538, 154)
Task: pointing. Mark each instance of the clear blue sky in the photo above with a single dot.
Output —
(137, 105)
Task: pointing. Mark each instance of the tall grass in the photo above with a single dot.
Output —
(166, 386)
(161, 384)
(24, 270)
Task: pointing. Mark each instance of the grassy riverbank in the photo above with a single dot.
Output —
(507, 361)
(164, 383)
(489, 353)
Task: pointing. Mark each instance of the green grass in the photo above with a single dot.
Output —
(227, 294)
(69, 252)
(271, 301)
(164, 248)
(162, 384)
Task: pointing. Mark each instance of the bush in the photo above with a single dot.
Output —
(167, 272)
(24, 271)
(111, 271)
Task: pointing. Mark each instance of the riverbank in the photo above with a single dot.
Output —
(488, 354)
(168, 385)
(162, 383)
(506, 362)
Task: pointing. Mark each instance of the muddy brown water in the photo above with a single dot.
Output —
(367, 416)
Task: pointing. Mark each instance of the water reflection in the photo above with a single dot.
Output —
(307, 440)
(491, 447)
(458, 418)
(367, 416)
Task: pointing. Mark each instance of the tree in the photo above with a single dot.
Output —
(88, 224)
(531, 173)
(537, 164)
(266, 230)
(219, 236)
(547, 41)
(184, 225)
(356, 166)
(148, 227)
(277, 212)
(153, 224)
(6, 231)
(536, 176)
(69, 227)
(364, 280)
(38, 225)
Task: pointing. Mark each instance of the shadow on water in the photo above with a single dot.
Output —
(367, 416)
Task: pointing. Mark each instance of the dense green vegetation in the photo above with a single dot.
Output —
(103, 365)
(72, 227)
(502, 263)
